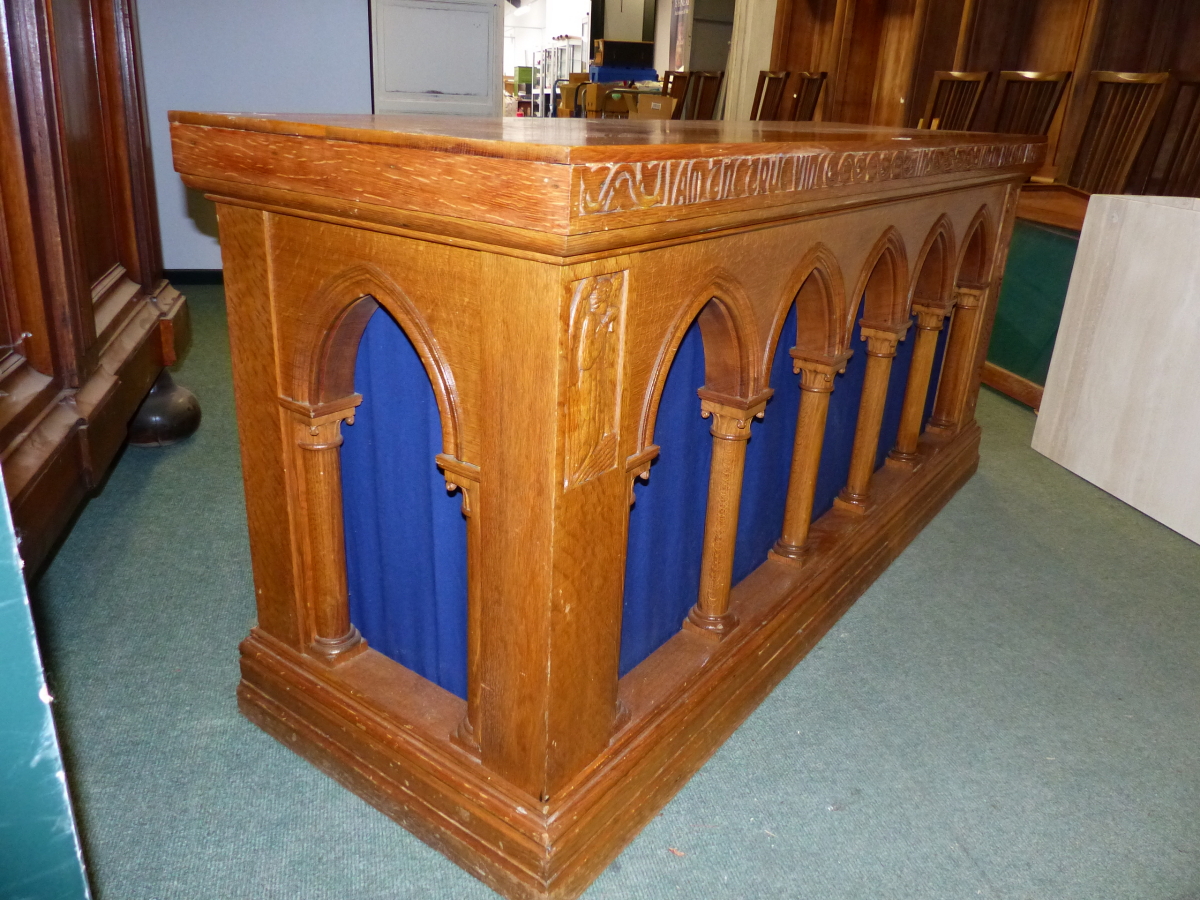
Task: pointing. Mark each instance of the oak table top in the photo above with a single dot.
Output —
(579, 178)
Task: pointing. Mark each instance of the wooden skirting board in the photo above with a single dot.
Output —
(1053, 204)
(1020, 389)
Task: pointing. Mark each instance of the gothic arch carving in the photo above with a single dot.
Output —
(817, 289)
(883, 283)
(973, 268)
(933, 284)
(351, 297)
(726, 319)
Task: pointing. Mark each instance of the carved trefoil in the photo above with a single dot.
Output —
(595, 341)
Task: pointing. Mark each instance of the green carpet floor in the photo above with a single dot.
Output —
(1011, 711)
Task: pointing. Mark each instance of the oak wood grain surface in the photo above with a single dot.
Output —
(546, 273)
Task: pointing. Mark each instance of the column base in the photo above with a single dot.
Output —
(850, 502)
(906, 460)
(466, 737)
(713, 628)
(792, 554)
(336, 650)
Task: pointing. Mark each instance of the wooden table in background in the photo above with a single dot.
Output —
(545, 271)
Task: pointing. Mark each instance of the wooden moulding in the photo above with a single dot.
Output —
(51, 466)
(383, 732)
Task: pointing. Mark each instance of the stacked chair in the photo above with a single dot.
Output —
(695, 93)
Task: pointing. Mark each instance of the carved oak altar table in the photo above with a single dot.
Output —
(546, 271)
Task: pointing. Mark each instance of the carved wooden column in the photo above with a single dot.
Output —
(881, 341)
(316, 433)
(816, 384)
(465, 477)
(730, 430)
(930, 320)
(957, 375)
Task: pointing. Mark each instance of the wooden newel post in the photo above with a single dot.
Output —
(930, 320)
(465, 477)
(881, 341)
(816, 384)
(955, 384)
(710, 617)
(317, 436)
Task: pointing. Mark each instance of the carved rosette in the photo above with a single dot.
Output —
(594, 363)
(626, 186)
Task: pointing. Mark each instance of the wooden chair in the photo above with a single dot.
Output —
(954, 100)
(805, 90)
(768, 96)
(1120, 106)
(1027, 101)
(675, 86)
(703, 91)
(1176, 171)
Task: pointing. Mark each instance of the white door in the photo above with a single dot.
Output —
(438, 56)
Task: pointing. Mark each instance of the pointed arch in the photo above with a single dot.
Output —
(973, 268)
(818, 291)
(353, 295)
(883, 284)
(726, 317)
(935, 267)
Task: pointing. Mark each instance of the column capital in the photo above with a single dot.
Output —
(882, 337)
(931, 316)
(731, 415)
(816, 370)
(969, 297)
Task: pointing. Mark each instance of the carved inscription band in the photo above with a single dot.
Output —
(621, 187)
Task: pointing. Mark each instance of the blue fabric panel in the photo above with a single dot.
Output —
(406, 538)
(839, 427)
(938, 355)
(769, 462)
(897, 384)
(666, 521)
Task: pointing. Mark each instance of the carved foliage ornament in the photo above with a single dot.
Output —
(622, 187)
(594, 373)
